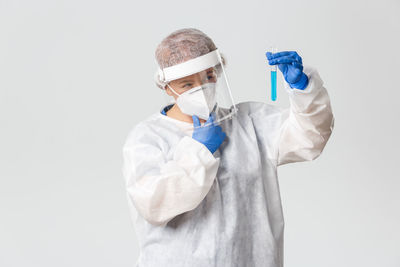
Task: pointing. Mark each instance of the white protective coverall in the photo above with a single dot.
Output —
(193, 208)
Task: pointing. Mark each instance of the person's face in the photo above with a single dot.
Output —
(186, 83)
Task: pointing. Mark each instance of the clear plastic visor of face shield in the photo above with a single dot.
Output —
(201, 88)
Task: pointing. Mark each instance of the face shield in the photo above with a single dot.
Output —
(201, 88)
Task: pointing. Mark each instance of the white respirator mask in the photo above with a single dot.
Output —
(198, 101)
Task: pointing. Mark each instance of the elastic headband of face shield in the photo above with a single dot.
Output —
(190, 67)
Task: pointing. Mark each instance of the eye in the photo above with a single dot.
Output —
(187, 85)
(211, 75)
(211, 78)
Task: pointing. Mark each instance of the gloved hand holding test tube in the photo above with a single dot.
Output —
(291, 66)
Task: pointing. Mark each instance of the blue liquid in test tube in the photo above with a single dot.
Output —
(273, 85)
(273, 50)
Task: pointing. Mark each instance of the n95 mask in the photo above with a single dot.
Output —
(198, 101)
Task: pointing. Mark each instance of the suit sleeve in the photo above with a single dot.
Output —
(160, 188)
(307, 124)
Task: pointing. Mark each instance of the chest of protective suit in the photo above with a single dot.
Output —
(242, 155)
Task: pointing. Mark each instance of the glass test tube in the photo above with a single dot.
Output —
(273, 76)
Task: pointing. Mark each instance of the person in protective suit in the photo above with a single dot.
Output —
(201, 176)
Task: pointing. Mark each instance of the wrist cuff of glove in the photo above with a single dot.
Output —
(301, 84)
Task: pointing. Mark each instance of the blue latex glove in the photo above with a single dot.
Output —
(291, 66)
(210, 135)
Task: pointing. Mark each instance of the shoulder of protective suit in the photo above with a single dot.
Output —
(248, 108)
(142, 130)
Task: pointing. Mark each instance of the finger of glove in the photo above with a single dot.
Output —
(196, 121)
(296, 56)
(283, 60)
(283, 68)
(299, 59)
(297, 65)
(218, 129)
(223, 135)
(269, 55)
(219, 132)
(210, 120)
(213, 115)
(280, 54)
(276, 60)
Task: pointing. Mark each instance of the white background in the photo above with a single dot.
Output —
(76, 76)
